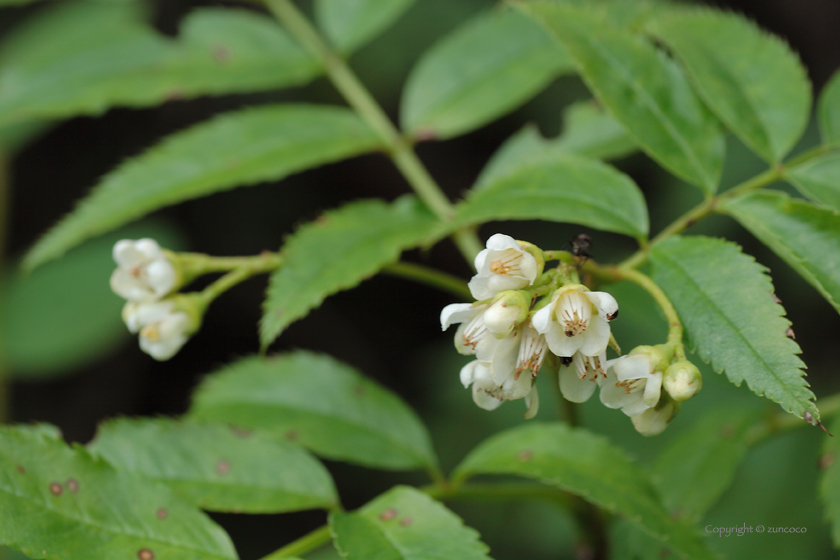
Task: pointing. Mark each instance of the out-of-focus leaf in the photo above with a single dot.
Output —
(818, 179)
(405, 524)
(587, 465)
(481, 71)
(564, 188)
(830, 481)
(83, 58)
(239, 148)
(218, 468)
(62, 504)
(64, 315)
(828, 111)
(337, 251)
(807, 237)
(351, 23)
(694, 469)
(726, 304)
(751, 80)
(14, 136)
(587, 131)
(320, 403)
(643, 89)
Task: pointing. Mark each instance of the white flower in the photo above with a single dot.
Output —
(144, 271)
(532, 350)
(164, 326)
(503, 265)
(487, 393)
(580, 376)
(653, 421)
(633, 384)
(577, 321)
(472, 337)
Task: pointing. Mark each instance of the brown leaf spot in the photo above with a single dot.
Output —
(162, 513)
(726, 431)
(425, 134)
(175, 94)
(388, 514)
(525, 455)
(241, 432)
(292, 435)
(223, 467)
(826, 461)
(359, 390)
(20, 469)
(406, 521)
(221, 53)
(56, 489)
(789, 333)
(72, 485)
(145, 554)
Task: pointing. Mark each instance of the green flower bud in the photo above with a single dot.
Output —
(653, 421)
(535, 252)
(658, 356)
(682, 380)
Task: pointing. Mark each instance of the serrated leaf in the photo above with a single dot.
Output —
(564, 188)
(405, 524)
(321, 404)
(644, 90)
(805, 236)
(482, 70)
(336, 252)
(349, 24)
(830, 481)
(695, 468)
(61, 503)
(239, 148)
(585, 464)
(818, 179)
(218, 468)
(83, 58)
(725, 301)
(828, 111)
(45, 333)
(587, 131)
(751, 80)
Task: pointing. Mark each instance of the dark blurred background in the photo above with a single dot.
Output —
(389, 328)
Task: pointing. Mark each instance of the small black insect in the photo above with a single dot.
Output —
(566, 360)
(581, 244)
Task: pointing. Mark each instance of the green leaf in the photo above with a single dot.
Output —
(64, 315)
(239, 148)
(320, 403)
(83, 58)
(643, 89)
(337, 251)
(751, 80)
(587, 131)
(481, 71)
(726, 303)
(563, 188)
(818, 179)
(349, 24)
(61, 503)
(585, 464)
(695, 468)
(828, 111)
(405, 524)
(830, 481)
(807, 237)
(218, 468)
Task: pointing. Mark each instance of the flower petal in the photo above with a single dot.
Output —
(479, 289)
(562, 345)
(484, 399)
(542, 319)
(501, 242)
(636, 366)
(653, 387)
(606, 304)
(532, 401)
(456, 313)
(574, 388)
(595, 338)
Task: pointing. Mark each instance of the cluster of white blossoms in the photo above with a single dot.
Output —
(510, 330)
(147, 277)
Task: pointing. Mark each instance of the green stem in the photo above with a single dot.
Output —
(430, 277)
(306, 543)
(250, 266)
(562, 256)
(5, 415)
(400, 150)
(196, 264)
(499, 492)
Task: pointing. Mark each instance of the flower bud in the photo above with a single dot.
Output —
(164, 326)
(682, 380)
(507, 310)
(653, 421)
(145, 272)
(658, 357)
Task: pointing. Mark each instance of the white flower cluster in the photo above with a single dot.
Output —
(510, 336)
(146, 276)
